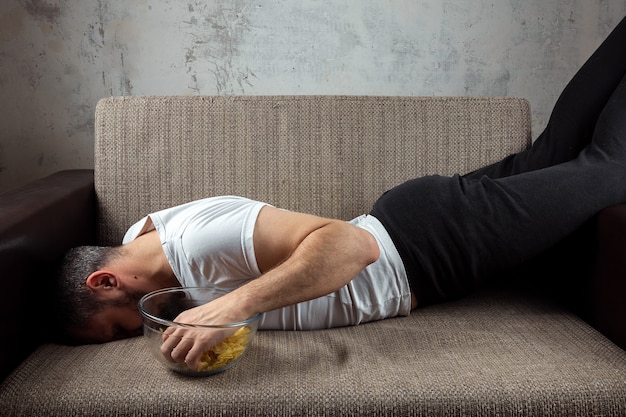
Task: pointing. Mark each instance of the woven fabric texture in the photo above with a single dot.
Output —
(325, 155)
(496, 354)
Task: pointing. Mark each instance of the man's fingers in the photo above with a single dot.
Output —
(194, 355)
(187, 346)
(179, 352)
(175, 346)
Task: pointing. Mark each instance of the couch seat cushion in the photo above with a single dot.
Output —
(495, 353)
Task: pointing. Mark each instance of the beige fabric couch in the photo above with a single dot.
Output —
(499, 352)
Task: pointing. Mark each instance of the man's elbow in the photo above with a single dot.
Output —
(370, 248)
(357, 246)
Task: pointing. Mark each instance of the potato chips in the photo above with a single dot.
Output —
(226, 351)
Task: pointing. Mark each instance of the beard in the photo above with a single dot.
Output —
(130, 298)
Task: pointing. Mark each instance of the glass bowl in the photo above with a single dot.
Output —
(160, 308)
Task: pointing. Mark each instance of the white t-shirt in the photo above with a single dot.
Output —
(209, 243)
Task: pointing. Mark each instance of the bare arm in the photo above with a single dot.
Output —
(302, 256)
(305, 257)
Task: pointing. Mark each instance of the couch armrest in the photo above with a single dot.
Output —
(38, 223)
(609, 283)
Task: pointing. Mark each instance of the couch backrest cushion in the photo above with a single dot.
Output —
(327, 155)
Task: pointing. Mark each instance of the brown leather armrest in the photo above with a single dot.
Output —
(609, 283)
(38, 223)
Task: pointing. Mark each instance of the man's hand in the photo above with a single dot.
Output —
(186, 344)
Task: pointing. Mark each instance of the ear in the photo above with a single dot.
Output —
(102, 280)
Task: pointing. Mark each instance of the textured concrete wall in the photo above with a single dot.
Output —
(58, 57)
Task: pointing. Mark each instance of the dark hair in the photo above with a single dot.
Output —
(74, 302)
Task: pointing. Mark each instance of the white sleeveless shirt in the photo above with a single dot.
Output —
(209, 243)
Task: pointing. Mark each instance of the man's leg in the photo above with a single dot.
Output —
(575, 113)
(560, 271)
(452, 233)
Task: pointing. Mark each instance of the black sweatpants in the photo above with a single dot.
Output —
(452, 233)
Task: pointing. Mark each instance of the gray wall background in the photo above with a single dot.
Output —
(58, 57)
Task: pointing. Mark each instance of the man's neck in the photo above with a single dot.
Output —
(145, 261)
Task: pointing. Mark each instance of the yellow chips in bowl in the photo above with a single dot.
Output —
(160, 308)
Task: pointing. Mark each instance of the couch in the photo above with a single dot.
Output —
(507, 349)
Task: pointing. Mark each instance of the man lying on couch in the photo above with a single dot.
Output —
(428, 240)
